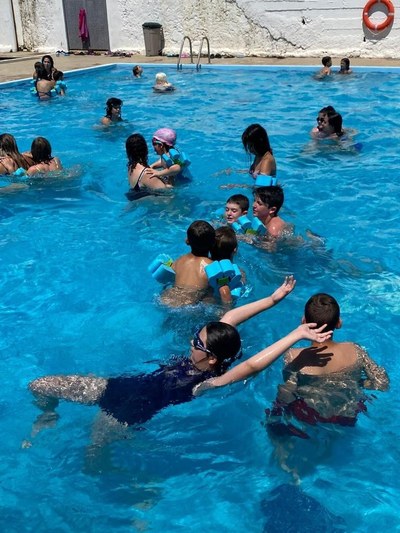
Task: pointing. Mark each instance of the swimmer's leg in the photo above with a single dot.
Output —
(105, 430)
(50, 389)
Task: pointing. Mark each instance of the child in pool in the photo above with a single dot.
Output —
(326, 69)
(133, 400)
(137, 71)
(322, 383)
(345, 66)
(225, 247)
(191, 281)
(113, 112)
(162, 85)
(256, 142)
(172, 161)
(141, 179)
(266, 206)
(236, 206)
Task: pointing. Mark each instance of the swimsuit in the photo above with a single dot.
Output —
(136, 192)
(135, 399)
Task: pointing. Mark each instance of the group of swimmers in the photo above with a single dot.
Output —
(326, 69)
(132, 400)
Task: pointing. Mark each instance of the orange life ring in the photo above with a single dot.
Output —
(388, 20)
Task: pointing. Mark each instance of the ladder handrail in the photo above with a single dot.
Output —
(178, 65)
(198, 66)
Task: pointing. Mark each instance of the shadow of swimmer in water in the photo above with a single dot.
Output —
(288, 508)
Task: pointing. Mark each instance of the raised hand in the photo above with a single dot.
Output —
(285, 289)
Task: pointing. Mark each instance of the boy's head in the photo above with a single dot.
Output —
(323, 309)
(327, 61)
(236, 206)
(225, 244)
(200, 238)
(58, 75)
(267, 201)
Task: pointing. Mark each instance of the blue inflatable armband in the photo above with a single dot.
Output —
(222, 273)
(60, 85)
(20, 173)
(262, 180)
(253, 227)
(161, 270)
(175, 158)
(219, 213)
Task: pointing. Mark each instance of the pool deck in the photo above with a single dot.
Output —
(15, 66)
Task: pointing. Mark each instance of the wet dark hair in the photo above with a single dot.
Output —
(328, 110)
(9, 148)
(112, 102)
(336, 122)
(241, 200)
(136, 70)
(41, 72)
(325, 60)
(41, 150)
(322, 309)
(58, 75)
(346, 61)
(224, 342)
(272, 196)
(50, 59)
(255, 140)
(136, 151)
(201, 238)
(225, 244)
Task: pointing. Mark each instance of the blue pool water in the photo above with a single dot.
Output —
(76, 298)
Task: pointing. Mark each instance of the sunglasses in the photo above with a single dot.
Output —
(320, 119)
(198, 344)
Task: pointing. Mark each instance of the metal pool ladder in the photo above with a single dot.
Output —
(198, 65)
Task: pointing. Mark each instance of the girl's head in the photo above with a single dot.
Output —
(335, 122)
(48, 63)
(8, 144)
(345, 64)
(215, 347)
(255, 140)
(113, 108)
(166, 136)
(41, 150)
(137, 71)
(9, 148)
(136, 150)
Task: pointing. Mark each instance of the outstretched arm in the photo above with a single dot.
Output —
(236, 316)
(266, 357)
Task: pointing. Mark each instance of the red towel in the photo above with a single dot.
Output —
(83, 27)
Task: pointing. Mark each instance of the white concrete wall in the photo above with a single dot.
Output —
(8, 42)
(299, 28)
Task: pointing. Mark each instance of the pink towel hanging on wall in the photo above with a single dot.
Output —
(83, 27)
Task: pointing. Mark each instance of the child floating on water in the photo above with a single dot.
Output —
(113, 112)
(236, 206)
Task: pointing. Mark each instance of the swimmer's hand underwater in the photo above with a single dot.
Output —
(266, 357)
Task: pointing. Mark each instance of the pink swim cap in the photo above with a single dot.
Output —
(166, 135)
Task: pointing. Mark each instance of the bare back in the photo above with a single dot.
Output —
(139, 177)
(189, 272)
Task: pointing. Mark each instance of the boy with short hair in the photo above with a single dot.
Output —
(326, 69)
(236, 206)
(191, 281)
(266, 206)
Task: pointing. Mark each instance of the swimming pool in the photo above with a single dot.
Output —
(75, 287)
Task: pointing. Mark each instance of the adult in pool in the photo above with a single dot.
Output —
(48, 65)
(43, 161)
(10, 157)
(256, 142)
(134, 399)
(142, 180)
